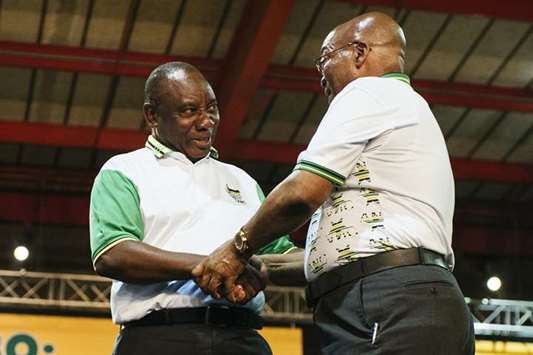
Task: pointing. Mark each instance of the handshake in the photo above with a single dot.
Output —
(225, 273)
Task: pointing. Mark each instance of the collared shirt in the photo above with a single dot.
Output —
(158, 196)
(380, 144)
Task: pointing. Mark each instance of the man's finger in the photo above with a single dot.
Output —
(250, 292)
(214, 288)
(198, 270)
(237, 295)
(209, 284)
(229, 283)
(203, 280)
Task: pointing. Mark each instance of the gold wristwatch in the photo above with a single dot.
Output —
(241, 241)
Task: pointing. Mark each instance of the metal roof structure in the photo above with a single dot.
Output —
(72, 89)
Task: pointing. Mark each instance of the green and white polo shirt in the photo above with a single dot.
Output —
(157, 196)
(382, 148)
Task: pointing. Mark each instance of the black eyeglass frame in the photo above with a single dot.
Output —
(319, 62)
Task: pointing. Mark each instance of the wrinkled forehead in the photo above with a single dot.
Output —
(187, 85)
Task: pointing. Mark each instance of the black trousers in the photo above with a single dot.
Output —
(408, 310)
(190, 339)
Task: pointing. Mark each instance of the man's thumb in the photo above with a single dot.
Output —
(198, 270)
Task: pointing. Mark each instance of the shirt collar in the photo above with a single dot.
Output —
(398, 76)
(160, 150)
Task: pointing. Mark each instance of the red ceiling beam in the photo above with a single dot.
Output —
(277, 77)
(31, 208)
(519, 10)
(70, 136)
(468, 169)
(307, 79)
(435, 92)
(492, 240)
(516, 212)
(93, 61)
(246, 62)
(66, 180)
(284, 153)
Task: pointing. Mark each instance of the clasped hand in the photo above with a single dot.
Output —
(225, 273)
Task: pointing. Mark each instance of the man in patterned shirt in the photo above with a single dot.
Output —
(376, 182)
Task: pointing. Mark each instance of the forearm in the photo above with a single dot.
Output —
(287, 208)
(136, 262)
(285, 269)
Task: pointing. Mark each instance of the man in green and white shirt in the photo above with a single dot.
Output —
(157, 211)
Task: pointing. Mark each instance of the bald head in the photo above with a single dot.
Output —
(368, 45)
(382, 33)
(172, 72)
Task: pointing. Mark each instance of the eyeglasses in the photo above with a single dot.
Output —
(319, 62)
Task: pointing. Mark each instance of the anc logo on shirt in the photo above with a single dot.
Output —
(235, 194)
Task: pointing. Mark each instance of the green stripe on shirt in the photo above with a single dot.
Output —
(321, 171)
(399, 76)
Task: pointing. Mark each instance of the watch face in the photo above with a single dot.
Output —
(240, 242)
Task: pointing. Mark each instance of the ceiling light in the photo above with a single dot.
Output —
(494, 283)
(21, 253)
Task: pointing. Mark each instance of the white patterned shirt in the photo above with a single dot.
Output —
(380, 144)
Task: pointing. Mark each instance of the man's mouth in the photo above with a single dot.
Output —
(203, 143)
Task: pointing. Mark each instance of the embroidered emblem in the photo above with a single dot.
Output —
(235, 194)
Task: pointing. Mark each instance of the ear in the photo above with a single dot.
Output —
(361, 54)
(150, 116)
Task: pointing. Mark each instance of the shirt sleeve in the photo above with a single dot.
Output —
(115, 214)
(353, 118)
(282, 245)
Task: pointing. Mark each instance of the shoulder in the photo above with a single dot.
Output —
(133, 165)
(361, 97)
(373, 95)
(126, 162)
(375, 90)
(377, 84)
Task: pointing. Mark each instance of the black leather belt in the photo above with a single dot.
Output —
(353, 271)
(211, 315)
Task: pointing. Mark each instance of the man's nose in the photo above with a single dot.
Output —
(206, 121)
